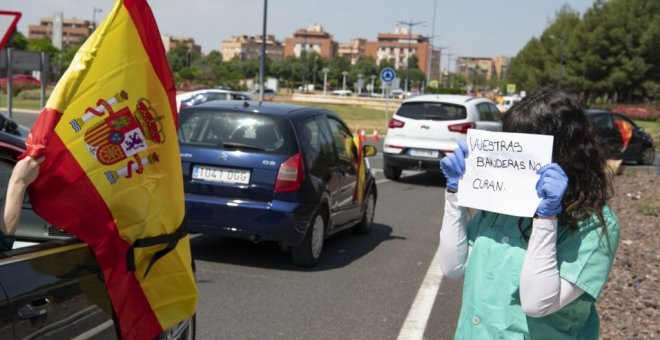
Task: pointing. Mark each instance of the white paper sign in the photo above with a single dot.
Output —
(500, 171)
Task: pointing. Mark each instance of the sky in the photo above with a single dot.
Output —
(476, 28)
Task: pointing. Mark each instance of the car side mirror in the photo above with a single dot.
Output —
(369, 150)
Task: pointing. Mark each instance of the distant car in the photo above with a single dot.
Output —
(623, 138)
(269, 94)
(9, 126)
(397, 93)
(343, 93)
(273, 172)
(425, 128)
(203, 96)
(21, 80)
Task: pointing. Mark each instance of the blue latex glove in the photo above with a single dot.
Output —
(453, 166)
(551, 188)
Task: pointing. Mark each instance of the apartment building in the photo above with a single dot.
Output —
(401, 45)
(170, 42)
(73, 31)
(246, 47)
(353, 49)
(489, 67)
(311, 39)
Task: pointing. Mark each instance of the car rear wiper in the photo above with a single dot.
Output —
(241, 146)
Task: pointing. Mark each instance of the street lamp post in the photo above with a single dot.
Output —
(344, 73)
(325, 78)
(95, 10)
(360, 82)
(448, 61)
(262, 57)
(373, 79)
(410, 25)
(314, 74)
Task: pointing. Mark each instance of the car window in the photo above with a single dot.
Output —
(342, 139)
(603, 124)
(495, 112)
(315, 143)
(32, 228)
(236, 130)
(216, 96)
(432, 110)
(485, 114)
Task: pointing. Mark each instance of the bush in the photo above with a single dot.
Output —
(639, 113)
(32, 94)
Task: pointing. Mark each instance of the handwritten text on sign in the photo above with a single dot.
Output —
(500, 171)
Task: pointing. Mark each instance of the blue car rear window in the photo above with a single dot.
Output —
(229, 130)
(432, 111)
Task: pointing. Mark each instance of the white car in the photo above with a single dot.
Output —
(343, 93)
(201, 96)
(426, 128)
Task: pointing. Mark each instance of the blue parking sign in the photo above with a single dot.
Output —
(387, 75)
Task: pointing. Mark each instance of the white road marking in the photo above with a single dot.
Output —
(418, 316)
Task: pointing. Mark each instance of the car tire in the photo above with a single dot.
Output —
(647, 157)
(366, 224)
(184, 330)
(392, 173)
(308, 253)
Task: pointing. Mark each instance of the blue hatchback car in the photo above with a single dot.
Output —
(274, 172)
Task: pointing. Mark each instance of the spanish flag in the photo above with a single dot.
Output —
(358, 194)
(112, 170)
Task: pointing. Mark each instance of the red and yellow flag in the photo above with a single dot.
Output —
(358, 194)
(112, 171)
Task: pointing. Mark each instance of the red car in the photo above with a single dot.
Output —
(21, 80)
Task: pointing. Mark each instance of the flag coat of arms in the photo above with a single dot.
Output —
(112, 171)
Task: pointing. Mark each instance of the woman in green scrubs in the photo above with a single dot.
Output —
(536, 278)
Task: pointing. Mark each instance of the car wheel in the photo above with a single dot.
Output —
(184, 330)
(392, 173)
(367, 222)
(648, 157)
(307, 254)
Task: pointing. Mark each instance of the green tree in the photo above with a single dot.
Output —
(181, 56)
(17, 41)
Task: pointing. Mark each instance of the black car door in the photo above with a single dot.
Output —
(50, 289)
(347, 207)
(54, 290)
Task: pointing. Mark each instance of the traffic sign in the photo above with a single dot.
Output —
(387, 75)
(8, 22)
(510, 88)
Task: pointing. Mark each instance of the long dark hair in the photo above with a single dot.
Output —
(576, 149)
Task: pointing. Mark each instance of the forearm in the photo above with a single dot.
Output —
(453, 238)
(542, 290)
(13, 205)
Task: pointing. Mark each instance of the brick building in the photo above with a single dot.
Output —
(311, 39)
(73, 30)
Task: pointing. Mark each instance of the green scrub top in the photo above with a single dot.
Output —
(491, 298)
